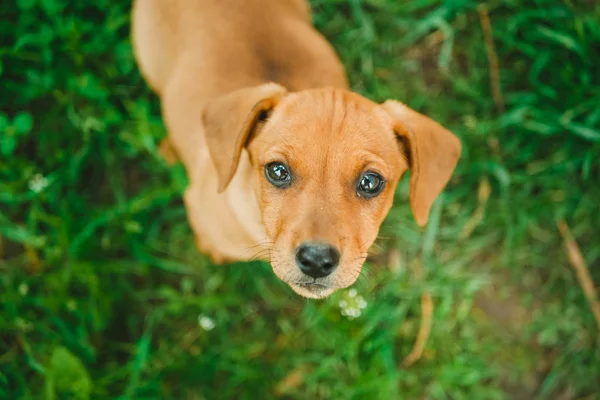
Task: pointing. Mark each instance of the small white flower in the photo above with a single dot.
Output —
(23, 289)
(38, 183)
(206, 323)
(361, 302)
(351, 313)
(352, 304)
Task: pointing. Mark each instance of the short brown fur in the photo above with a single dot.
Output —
(247, 82)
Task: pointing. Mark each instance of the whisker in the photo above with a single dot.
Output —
(262, 244)
(369, 272)
(261, 255)
(361, 282)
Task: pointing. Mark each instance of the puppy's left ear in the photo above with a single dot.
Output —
(434, 153)
(230, 121)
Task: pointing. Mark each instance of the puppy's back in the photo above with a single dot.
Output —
(237, 42)
(154, 30)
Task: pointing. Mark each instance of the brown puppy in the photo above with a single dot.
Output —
(283, 160)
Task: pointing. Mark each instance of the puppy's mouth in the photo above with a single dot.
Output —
(312, 290)
(312, 285)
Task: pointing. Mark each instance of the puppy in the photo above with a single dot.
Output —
(285, 163)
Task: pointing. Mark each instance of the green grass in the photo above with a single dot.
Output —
(102, 292)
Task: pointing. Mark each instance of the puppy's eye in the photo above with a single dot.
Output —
(278, 174)
(370, 184)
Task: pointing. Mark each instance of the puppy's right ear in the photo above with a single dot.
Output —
(434, 152)
(229, 122)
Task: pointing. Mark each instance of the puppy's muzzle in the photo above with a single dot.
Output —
(317, 260)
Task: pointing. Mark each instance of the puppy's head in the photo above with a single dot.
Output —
(326, 165)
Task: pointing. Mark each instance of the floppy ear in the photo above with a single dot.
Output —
(229, 122)
(434, 153)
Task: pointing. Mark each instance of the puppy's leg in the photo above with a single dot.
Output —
(194, 217)
(167, 151)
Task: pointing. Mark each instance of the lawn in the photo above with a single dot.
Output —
(104, 296)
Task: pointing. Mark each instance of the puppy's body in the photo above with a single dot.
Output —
(211, 62)
(192, 51)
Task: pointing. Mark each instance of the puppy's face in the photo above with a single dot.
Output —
(326, 168)
(326, 164)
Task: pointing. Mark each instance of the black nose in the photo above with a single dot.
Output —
(317, 260)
